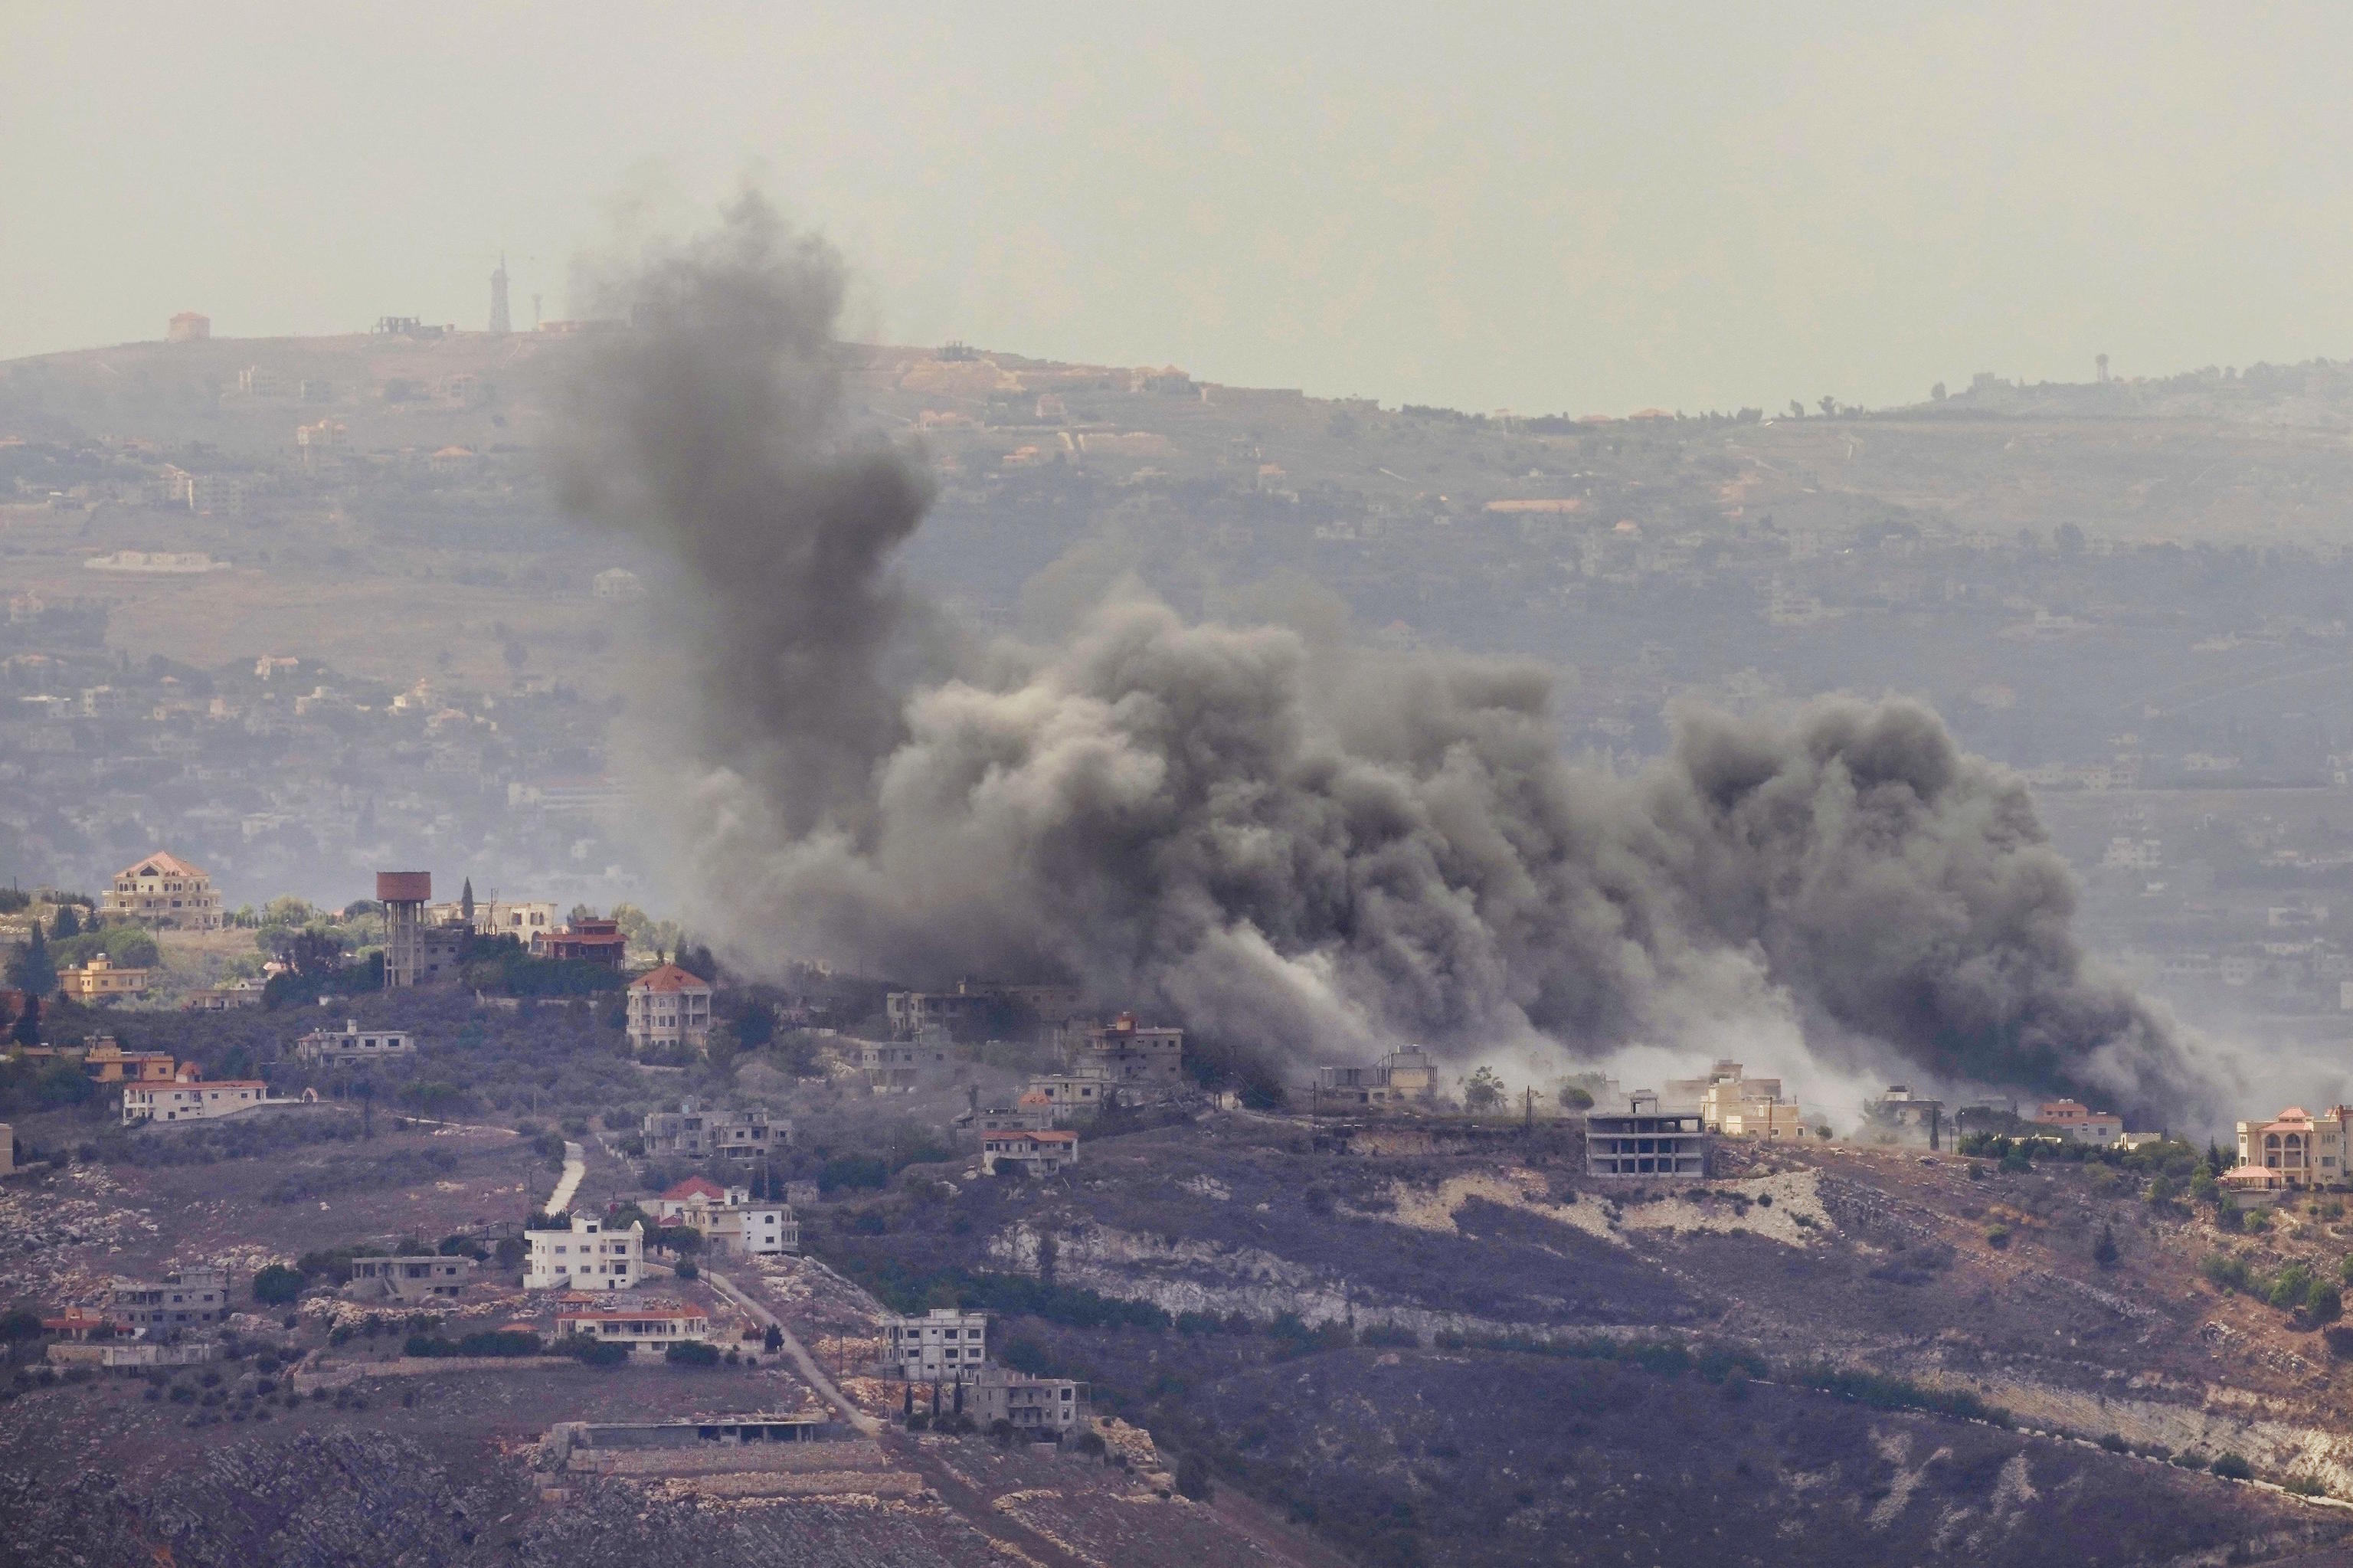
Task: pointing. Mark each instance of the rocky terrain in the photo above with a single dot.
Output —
(1420, 1344)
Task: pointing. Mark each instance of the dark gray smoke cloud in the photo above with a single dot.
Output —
(1307, 848)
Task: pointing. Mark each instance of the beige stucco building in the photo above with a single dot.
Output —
(163, 893)
(669, 1007)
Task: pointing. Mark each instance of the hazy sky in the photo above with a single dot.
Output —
(1536, 207)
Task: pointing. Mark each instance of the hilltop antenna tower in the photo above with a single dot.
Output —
(499, 298)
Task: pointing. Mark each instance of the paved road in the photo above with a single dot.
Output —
(806, 1362)
(576, 1166)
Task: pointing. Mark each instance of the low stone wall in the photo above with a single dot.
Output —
(341, 1374)
(720, 1458)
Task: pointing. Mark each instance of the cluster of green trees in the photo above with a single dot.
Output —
(2292, 1288)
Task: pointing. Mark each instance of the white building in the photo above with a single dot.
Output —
(342, 1048)
(584, 1256)
(669, 1007)
(943, 1344)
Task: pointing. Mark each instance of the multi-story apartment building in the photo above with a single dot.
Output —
(163, 893)
(187, 1299)
(585, 1255)
(729, 1220)
(690, 1132)
(669, 1007)
(943, 1344)
(1044, 1406)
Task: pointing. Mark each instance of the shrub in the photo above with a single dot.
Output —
(277, 1285)
(591, 1353)
(2115, 1443)
(1193, 1478)
(1998, 1237)
(691, 1355)
(2303, 1487)
(2233, 1467)
(1390, 1335)
(1900, 1393)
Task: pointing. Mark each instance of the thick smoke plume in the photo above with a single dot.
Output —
(1307, 848)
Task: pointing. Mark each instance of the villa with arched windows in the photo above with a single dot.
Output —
(2294, 1149)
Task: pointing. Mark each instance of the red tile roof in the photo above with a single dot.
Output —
(695, 1187)
(670, 977)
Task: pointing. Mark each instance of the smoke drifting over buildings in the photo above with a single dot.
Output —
(1304, 846)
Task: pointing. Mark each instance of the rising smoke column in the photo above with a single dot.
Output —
(1305, 848)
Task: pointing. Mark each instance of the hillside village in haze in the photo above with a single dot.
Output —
(358, 1088)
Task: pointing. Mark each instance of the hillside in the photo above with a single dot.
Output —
(1416, 1344)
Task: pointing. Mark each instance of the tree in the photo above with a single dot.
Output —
(1828, 405)
(466, 901)
(1193, 1478)
(277, 1285)
(68, 923)
(775, 1341)
(2104, 1251)
(1937, 393)
(31, 970)
(1483, 1091)
(27, 1031)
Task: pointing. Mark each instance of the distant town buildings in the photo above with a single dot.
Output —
(409, 1280)
(1048, 1406)
(2295, 1150)
(690, 1132)
(523, 920)
(96, 979)
(583, 1256)
(1128, 1053)
(1403, 1077)
(163, 893)
(2080, 1123)
(352, 1046)
(226, 997)
(1901, 1115)
(912, 1013)
(902, 1066)
(668, 1009)
(1028, 1152)
(189, 1098)
(729, 1219)
(1737, 1105)
(1645, 1141)
(647, 1329)
(618, 585)
(188, 1299)
(586, 940)
(941, 1345)
(188, 326)
(106, 1062)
